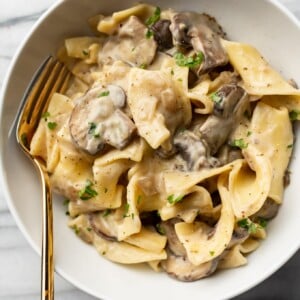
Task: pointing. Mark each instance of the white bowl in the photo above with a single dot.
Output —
(262, 23)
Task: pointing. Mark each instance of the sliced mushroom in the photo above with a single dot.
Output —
(162, 34)
(174, 244)
(193, 150)
(239, 235)
(130, 45)
(177, 264)
(268, 211)
(103, 225)
(97, 120)
(197, 147)
(202, 33)
(227, 154)
(231, 105)
(182, 269)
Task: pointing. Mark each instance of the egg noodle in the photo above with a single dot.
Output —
(171, 144)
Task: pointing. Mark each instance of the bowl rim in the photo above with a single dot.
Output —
(3, 179)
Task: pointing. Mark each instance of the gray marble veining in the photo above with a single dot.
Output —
(19, 264)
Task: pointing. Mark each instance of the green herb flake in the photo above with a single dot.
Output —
(125, 215)
(87, 192)
(160, 229)
(66, 202)
(92, 130)
(139, 199)
(290, 146)
(52, 125)
(172, 72)
(89, 229)
(239, 143)
(250, 226)
(262, 222)
(143, 66)
(45, 115)
(294, 115)
(85, 52)
(189, 61)
(212, 253)
(173, 200)
(154, 18)
(216, 98)
(103, 94)
(76, 229)
(149, 34)
(103, 253)
(106, 212)
(249, 133)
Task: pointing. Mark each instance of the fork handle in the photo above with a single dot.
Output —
(47, 274)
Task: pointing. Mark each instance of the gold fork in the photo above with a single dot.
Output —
(52, 76)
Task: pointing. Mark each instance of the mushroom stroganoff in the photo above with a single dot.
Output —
(171, 144)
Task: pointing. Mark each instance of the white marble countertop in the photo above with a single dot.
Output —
(19, 264)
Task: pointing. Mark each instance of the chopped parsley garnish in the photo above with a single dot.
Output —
(126, 211)
(294, 115)
(143, 66)
(52, 125)
(172, 72)
(66, 202)
(154, 18)
(160, 229)
(149, 34)
(85, 52)
(139, 199)
(106, 212)
(189, 61)
(290, 146)
(103, 94)
(76, 229)
(249, 133)
(89, 229)
(216, 98)
(212, 253)
(250, 226)
(92, 130)
(45, 115)
(87, 192)
(262, 222)
(239, 143)
(173, 200)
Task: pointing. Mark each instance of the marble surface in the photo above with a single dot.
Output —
(19, 264)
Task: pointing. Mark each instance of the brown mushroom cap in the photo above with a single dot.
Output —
(103, 225)
(131, 45)
(202, 33)
(182, 269)
(97, 120)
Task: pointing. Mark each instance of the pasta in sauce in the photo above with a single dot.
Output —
(171, 144)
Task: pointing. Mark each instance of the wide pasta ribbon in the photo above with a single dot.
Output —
(196, 238)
